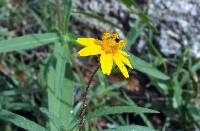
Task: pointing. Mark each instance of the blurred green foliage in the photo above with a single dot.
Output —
(39, 86)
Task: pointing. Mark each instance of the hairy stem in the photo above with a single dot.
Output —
(84, 106)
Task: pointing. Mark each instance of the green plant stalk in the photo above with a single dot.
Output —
(60, 79)
(151, 45)
(60, 91)
(67, 8)
(58, 12)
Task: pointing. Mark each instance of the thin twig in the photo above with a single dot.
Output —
(84, 106)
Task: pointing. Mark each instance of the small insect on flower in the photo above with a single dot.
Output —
(109, 49)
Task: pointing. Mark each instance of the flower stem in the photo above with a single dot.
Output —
(84, 106)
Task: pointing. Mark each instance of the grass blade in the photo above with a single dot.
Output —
(99, 18)
(146, 68)
(27, 42)
(142, 115)
(20, 121)
(119, 109)
(67, 13)
(60, 91)
(56, 121)
(195, 113)
(177, 96)
(133, 34)
(130, 128)
(146, 20)
(128, 3)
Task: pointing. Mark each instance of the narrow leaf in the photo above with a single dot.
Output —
(27, 42)
(147, 68)
(67, 14)
(195, 113)
(146, 20)
(131, 128)
(99, 18)
(20, 121)
(133, 34)
(128, 3)
(177, 97)
(60, 85)
(119, 109)
(56, 121)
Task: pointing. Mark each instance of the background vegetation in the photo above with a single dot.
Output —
(41, 77)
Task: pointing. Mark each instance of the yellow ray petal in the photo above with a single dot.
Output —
(121, 66)
(87, 41)
(122, 43)
(90, 50)
(124, 59)
(106, 61)
(123, 52)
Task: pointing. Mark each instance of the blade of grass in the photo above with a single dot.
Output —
(27, 42)
(128, 3)
(195, 113)
(56, 121)
(177, 98)
(60, 91)
(119, 109)
(67, 10)
(130, 128)
(20, 121)
(133, 34)
(39, 20)
(146, 68)
(142, 115)
(99, 18)
(196, 66)
(146, 20)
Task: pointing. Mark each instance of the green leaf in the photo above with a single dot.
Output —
(3, 32)
(119, 109)
(196, 66)
(141, 65)
(27, 42)
(39, 19)
(19, 106)
(60, 85)
(177, 97)
(133, 34)
(146, 20)
(99, 18)
(162, 87)
(130, 128)
(195, 113)
(67, 14)
(142, 115)
(20, 121)
(56, 121)
(128, 3)
(116, 85)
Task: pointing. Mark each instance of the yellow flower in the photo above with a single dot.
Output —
(110, 49)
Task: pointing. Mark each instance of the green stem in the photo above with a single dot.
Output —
(58, 12)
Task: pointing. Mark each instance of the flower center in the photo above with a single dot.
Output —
(110, 46)
(111, 43)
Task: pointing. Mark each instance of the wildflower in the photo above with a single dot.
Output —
(110, 49)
